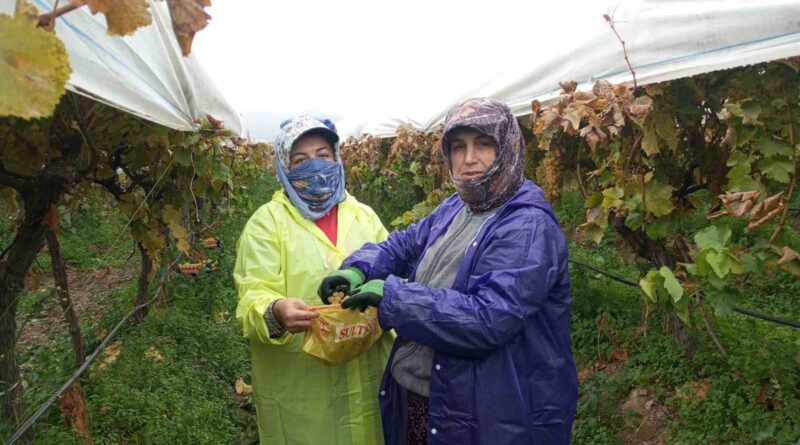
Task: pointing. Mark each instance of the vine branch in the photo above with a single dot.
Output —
(788, 199)
(48, 20)
(610, 20)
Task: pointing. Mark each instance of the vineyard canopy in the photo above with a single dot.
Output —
(665, 39)
(143, 74)
(387, 65)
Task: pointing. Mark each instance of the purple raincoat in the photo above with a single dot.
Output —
(503, 371)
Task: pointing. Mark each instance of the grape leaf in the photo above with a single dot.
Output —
(611, 197)
(34, 68)
(659, 198)
(649, 139)
(665, 128)
(123, 17)
(188, 17)
(777, 168)
(671, 283)
(658, 229)
(173, 218)
(649, 283)
(770, 147)
(713, 237)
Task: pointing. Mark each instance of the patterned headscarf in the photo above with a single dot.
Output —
(316, 185)
(503, 178)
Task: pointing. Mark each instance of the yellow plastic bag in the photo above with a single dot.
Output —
(340, 335)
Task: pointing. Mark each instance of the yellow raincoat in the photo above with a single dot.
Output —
(300, 401)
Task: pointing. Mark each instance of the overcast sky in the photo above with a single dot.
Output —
(373, 57)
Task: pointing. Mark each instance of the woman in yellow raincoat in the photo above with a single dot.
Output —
(305, 232)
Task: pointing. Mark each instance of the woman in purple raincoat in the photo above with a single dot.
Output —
(478, 293)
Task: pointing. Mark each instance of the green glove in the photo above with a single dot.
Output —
(342, 280)
(367, 295)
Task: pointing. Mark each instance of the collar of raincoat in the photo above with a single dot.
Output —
(346, 217)
(502, 180)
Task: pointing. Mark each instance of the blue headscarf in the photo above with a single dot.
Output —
(316, 185)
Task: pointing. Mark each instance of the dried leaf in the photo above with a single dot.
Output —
(243, 388)
(619, 355)
(34, 68)
(123, 17)
(640, 107)
(72, 404)
(758, 223)
(568, 86)
(154, 354)
(788, 256)
(188, 17)
(110, 354)
(738, 203)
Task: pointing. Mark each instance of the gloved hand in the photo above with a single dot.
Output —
(342, 280)
(367, 295)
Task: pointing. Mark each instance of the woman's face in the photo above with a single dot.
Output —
(471, 153)
(310, 147)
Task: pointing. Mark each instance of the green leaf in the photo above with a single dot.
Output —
(720, 262)
(658, 199)
(666, 129)
(657, 229)
(649, 139)
(611, 197)
(34, 68)
(671, 283)
(634, 221)
(649, 284)
(742, 184)
(593, 200)
(777, 168)
(220, 171)
(751, 264)
(681, 309)
(182, 156)
(594, 231)
(750, 111)
(744, 135)
(713, 237)
(769, 147)
(605, 178)
(722, 300)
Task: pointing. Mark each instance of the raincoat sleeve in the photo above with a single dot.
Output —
(513, 277)
(258, 276)
(397, 255)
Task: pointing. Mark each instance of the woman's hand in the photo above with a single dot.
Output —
(365, 296)
(344, 279)
(293, 314)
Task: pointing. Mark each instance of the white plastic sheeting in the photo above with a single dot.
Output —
(144, 74)
(666, 39)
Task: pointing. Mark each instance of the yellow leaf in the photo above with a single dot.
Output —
(34, 68)
(123, 17)
(173, 218)
(243, 388)
(154, 354)
(110, 354)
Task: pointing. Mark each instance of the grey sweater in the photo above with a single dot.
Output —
(412, 363)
